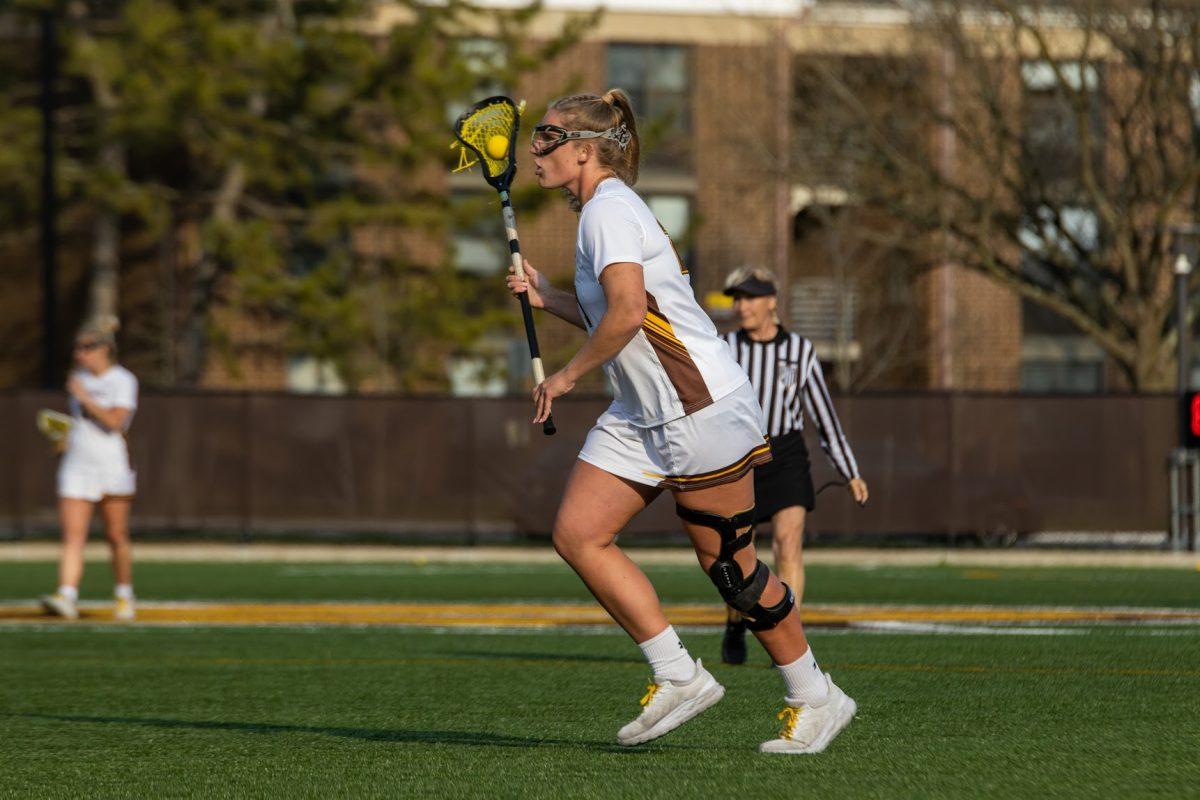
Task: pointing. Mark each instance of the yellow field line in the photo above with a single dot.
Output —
(506, 615)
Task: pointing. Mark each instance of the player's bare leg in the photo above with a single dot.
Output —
(595, 507)
(816, 709)
(74, 517)
(787, 542)
(115, 512)
(785, 642)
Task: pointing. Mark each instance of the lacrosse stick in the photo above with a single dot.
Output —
(487, 135)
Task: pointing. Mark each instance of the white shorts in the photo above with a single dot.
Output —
(717, 444)
(79, 479)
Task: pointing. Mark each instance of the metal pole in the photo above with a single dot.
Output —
(49, 234)
(1183, 268)
(1193, 509)
(1173, 470)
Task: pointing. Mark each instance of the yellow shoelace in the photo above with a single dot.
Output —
(789, 715)
(651, 688)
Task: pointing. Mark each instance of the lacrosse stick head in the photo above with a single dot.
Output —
(54, 425)
(487, 133)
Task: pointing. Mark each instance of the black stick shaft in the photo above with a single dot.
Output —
(514, 247)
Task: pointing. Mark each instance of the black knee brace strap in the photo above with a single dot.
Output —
(741, 593)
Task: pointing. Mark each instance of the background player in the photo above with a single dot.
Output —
(95, 471)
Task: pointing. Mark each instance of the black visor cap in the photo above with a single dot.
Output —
(752, 287)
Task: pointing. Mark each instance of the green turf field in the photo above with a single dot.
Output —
(327, 711)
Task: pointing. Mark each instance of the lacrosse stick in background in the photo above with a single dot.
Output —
(55, 426)
(487, 135)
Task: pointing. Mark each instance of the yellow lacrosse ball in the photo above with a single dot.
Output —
(497, 147)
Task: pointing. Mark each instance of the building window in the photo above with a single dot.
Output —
(658, 80)
(1051, 141)
(825, 312)
(485, 59)
(674, 212)
(1068, 377)
(477, 235)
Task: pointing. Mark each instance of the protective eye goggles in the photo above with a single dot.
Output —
(548, 138)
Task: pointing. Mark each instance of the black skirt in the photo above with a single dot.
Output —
(784, 481)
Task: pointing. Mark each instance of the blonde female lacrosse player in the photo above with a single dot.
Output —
(94, 472)
(684, 419)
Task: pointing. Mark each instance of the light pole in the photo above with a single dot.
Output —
(1185, 460)
(1185, 246)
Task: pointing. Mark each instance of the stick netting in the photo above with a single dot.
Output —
(477, 129)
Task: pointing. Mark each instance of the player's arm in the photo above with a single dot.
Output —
(829, 431)
(625, 293)
(111, 419)
(545, 296)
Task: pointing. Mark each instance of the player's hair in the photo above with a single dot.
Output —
(102, 328)
(595, 112)
(746, 273)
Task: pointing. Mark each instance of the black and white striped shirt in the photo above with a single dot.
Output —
(782, 370)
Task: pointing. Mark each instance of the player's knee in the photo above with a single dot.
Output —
(572, 541)
(736, 571)
(565, 543)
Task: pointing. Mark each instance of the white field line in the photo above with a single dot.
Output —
(888, 626)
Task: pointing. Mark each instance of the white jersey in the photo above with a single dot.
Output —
(116, 387)
(676, 364)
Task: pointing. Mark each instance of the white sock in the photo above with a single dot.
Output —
(668, 657)
(123, 591)
(806, 684)
(69, 592)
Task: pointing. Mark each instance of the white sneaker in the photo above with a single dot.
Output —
(123, 610)
(810, 729)
(59, 606)
(669, 704)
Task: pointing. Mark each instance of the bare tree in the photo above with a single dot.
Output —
(1048, 145)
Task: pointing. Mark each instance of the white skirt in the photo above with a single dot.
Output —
(717, 444)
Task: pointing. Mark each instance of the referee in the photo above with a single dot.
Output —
(783, 368)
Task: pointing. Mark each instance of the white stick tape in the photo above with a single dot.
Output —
(539, 372)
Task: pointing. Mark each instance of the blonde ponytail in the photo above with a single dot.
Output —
(613, 109)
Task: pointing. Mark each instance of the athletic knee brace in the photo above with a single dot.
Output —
(742, 593)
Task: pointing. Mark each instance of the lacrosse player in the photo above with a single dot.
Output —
(685, 419)
(95, 471)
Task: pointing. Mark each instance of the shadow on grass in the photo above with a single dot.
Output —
(464, 738)
(527, 655)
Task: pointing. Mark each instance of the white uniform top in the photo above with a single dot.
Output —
(676, 364)
(114, 388)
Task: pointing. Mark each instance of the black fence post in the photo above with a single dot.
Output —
(49, 215)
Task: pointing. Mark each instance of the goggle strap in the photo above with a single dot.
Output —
(620, 134)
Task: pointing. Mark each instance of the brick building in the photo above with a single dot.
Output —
(714, 83)
(716, 79)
